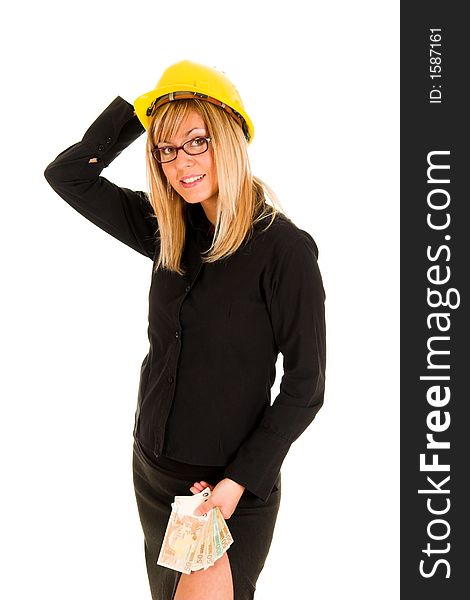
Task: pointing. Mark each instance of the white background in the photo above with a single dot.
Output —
(320, 82)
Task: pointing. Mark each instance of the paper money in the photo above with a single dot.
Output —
(192, 543)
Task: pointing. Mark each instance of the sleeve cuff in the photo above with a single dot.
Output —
(115, 129)
(258, 462)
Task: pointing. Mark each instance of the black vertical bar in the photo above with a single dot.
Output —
(435, 269)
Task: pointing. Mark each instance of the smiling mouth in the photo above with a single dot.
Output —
(191, 178)
(192, 181)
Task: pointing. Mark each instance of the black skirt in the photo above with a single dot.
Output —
(251, 524)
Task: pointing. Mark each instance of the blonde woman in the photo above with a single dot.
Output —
(234, 282)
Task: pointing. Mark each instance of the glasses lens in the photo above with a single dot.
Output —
(165, 154)
(196, 146)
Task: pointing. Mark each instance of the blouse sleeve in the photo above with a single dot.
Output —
(125, 214)
(295, 298)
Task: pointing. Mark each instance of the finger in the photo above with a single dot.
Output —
(203, 508)
(204, 484)
(197, 487)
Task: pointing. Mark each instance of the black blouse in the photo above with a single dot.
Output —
(182, 470)
(214, 333)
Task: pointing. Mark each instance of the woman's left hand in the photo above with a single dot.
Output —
(226, 495)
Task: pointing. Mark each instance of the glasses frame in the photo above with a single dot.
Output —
(178, 148)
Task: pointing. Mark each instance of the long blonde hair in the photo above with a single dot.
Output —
(241, 197)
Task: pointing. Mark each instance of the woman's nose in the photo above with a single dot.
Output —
(184, 159)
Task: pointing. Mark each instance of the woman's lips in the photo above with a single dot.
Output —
(193, 183)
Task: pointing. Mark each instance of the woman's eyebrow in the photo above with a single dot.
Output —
(187, 133)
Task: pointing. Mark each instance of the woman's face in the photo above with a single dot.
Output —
(206, 189)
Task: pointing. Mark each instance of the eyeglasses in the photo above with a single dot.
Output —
(197, 145)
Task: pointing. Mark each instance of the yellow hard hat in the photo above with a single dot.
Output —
(187, 79)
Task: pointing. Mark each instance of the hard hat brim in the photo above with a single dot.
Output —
(144, 106)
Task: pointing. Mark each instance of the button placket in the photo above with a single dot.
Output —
(165, 411)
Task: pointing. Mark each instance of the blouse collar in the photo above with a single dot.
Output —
(198, 219)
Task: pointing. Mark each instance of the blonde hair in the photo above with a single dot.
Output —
(241, 197)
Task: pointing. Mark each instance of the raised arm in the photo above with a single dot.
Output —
(75, 174)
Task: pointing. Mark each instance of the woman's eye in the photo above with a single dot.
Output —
(199, 141)
(166, 150)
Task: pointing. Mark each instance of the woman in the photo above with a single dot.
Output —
(234, 283)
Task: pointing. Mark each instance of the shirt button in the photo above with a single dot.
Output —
(101, 147)
(187, 288)
(109, 140)
(170, 379)
(177, 334)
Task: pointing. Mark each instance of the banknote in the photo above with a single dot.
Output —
(193, 542)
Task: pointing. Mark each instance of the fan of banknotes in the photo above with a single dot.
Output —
(192, 543)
